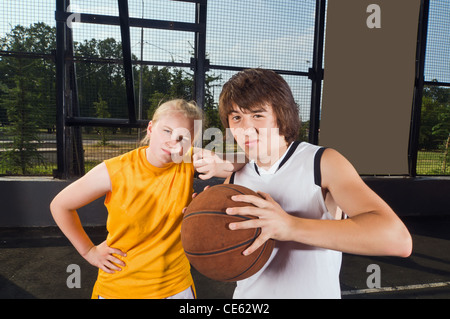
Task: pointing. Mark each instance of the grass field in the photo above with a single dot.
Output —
(432, 163)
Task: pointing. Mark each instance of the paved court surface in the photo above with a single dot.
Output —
(34, 264)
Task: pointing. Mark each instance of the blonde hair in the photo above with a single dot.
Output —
(189, 109)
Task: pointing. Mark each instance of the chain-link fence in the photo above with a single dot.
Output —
(433, 154)
(27, 88)
(239, 34)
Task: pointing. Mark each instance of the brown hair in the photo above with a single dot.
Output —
(256, 88)
(189, 109)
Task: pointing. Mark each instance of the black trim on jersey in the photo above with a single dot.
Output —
(231, 181)
(288, 155)
(317, 158)
(317, 173)
(256, 169)
(290, 152)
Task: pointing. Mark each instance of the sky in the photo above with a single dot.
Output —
(251, 33)
(437, 63)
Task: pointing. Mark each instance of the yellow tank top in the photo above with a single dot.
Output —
(144, 221)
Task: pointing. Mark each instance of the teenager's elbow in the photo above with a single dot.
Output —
(402, 243)
(54, 207)
(57, 206)
(406, 247)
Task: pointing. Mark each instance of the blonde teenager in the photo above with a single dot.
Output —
(146, 190)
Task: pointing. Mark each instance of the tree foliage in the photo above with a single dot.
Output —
(435, 118)
(27, 95)
(28, 89)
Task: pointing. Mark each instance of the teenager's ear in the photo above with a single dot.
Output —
(149, 127)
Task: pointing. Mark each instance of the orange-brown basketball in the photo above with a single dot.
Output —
(211, 247)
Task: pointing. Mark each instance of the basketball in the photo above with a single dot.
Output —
(211, 247)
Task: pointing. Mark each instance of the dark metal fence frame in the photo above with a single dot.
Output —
(70, 161)
(68, 137)
(68, 120)
(419, 84)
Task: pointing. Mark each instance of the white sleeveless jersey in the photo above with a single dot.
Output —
(294, 270)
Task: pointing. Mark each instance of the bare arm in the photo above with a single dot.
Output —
(210, 164)
(371, 229)
(88, 188)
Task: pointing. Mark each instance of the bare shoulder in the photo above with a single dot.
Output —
(337, 170)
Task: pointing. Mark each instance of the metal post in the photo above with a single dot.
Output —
(141, 74)
(62, 164)
(316, 72)
(418, 87)
(74, 139)
(200, 64)
(126, 51)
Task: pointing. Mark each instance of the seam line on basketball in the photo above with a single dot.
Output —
(224, 250)
(226, 186)
(215, 213)
(254, 262)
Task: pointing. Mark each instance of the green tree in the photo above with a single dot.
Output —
(104, 79)
(27, 97)
(211, 108)
(154, 101)
(37, 38)
(181, 84)
(304, 131)
(156, 88)
(27, 93)
(101, 111)
(22, 131)
(435, 118)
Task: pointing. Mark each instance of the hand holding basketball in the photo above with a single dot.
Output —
(274, 222)
(211, 247)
